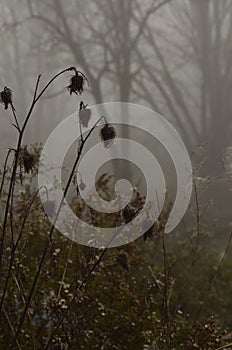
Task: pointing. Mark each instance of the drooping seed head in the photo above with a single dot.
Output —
(6, 97)
(108, 134)
(26, 160)
(128, 213)
(76, 85)
(85, 115)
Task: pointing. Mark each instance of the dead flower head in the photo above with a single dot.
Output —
(123, 260)
(128, 213)
(84, 114)
(6, 97)
(76, 84)
(27, 160)
(108, 134)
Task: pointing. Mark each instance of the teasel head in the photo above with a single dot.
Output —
(123, 260)
(76, 84)
(108, 134)
(6, 97)
(84, 114)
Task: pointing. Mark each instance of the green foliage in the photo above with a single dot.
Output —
(147, 308)
(159, 292)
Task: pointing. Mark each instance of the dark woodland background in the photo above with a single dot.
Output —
(174, 291)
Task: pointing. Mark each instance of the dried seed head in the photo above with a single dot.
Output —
(84, 115)
(6, 97)
(29, 162)
(108, 134)
(26, 160)
(123, 260)
(128, 213)
(76, 85)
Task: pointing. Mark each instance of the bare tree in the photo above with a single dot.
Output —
(190, 73)
(102, 37)
(173, 55)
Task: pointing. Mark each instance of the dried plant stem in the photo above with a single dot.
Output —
(12, 216)
(5, 170)
(19, 143)
(213, 278)
(11, 328)
(53, 228)
(97, 262)
(186, 281)
(14, 248)
(224, 346)
(13, 175)
(165, 307)
(22, 294)
(20, 138)
(15, 118)
(85, 279)
(65, 270)
(63, 276)
(197, 206)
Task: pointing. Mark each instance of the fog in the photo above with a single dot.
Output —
(171, 56)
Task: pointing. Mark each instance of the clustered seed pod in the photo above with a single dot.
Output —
(6, 97)
(128, 213)
(84, 114)
(76, 85)
(26, 160)
(108, 134)
(123, 260)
